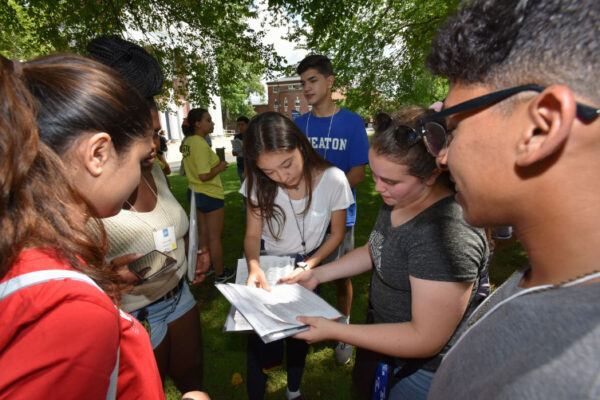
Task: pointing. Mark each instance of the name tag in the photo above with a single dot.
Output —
(165, 240)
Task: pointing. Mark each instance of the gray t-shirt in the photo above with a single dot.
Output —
(435, 245)
(543, 345)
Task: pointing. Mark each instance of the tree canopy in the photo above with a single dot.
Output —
(208, 42)
(378, 47)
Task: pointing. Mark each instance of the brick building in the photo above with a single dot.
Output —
(285, 94)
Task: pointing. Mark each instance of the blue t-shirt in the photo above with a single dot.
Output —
(345, 145)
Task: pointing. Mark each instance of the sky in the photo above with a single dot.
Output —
(273, 36)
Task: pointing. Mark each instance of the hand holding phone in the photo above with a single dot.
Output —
(151, 265)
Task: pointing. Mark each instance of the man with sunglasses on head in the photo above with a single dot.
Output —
(339, 136)
(522, 113)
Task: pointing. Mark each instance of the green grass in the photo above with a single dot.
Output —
(225, 353)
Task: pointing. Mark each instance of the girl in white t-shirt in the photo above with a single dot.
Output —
(293, 196)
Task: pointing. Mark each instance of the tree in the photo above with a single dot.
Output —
(235, 95)
(207, 42)
(378, 47)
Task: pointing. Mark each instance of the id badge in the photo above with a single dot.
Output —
(165, 240)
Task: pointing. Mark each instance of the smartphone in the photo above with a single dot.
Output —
(221, 153)
(151, 265)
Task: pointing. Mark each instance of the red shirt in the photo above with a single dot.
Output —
(59, 340)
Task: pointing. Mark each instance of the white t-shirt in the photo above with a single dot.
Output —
(331, 193)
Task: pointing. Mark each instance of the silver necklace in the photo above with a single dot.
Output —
(301, 231)
(328, 131)
(165, 213)
(480, 312)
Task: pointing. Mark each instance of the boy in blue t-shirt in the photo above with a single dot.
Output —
(340, 137)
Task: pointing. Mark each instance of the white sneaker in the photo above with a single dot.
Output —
(343, 352)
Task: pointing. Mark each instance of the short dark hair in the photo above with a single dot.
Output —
(319, 62)
(513, 42)
(243, 118)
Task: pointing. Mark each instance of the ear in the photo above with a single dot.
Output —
(434, 175)
(551, 116)
(95, 150)
(330, 80)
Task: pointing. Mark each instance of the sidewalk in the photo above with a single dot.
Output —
(174, 156)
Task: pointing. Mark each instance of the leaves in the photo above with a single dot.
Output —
(208, 42)
(378, 47)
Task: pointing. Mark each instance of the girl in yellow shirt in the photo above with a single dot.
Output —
(202, 168)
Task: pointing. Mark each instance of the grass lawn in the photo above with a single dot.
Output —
(225, 353)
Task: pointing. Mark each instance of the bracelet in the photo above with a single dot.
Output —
(302, 265)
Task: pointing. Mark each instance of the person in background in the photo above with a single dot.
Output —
(293, 195)
(242, 126)
(426, 262)
(522, 113)
(160, 142)
(165, 304)
(340, 137)
(202, 168)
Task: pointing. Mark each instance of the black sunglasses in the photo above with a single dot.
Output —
(584, 112)
(432, 133)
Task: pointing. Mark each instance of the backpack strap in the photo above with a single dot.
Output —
(35, 278)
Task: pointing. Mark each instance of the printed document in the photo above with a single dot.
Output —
(272, 314)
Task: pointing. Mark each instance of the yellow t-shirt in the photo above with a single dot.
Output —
(198, 158)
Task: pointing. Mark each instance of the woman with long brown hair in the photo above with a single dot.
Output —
(294, 195)
(72, 136)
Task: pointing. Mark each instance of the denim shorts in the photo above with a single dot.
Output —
(162, 313)
(205, 203)
(413, 387)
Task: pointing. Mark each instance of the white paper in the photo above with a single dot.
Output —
(275, 268)
(192, 240)
(273, 314)
(236, 145)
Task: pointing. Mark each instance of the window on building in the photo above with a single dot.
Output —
(292, 87)
(297, 103)
(275, 89)
(276, 106)
(285, 105)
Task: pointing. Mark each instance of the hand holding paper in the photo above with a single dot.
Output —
(257, 278)
(304, 278)
(272, 314)
(320, 329)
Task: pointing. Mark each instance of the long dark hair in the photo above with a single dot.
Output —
(268, 132)
(47, 104)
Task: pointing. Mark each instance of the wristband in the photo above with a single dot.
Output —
(302, 265)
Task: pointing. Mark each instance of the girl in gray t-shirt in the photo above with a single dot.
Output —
(425, 258)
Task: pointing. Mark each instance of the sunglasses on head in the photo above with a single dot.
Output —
(429, 127)
(433, 133)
